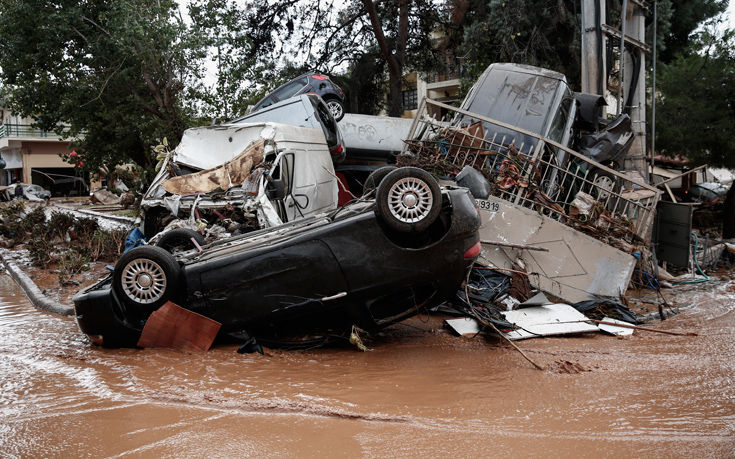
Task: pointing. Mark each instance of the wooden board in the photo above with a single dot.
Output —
(174, 327)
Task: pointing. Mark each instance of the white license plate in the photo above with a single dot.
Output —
(490, 206)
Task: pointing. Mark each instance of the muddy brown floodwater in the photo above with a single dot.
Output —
(421, 393)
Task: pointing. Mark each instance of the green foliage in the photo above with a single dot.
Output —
(112, 72)
(694, 112)
(364, 83)
(84, 227)
(540, 33)
(12, 210)
(71, 263)
(59, 223)
(34, 218)
(679, 19)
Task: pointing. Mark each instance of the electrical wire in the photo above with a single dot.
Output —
(696, 263)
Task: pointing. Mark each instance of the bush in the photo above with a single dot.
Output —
(71, 263)
(41, 250)
(47, 241)
(84, 227)
(59, 224)
(34, 218)
(107, 244)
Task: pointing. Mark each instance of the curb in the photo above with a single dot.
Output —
(117, 218)
(34, 294)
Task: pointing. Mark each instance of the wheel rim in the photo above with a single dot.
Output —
(604, 186)
(335, 108)
(143, 281)
(410, 200)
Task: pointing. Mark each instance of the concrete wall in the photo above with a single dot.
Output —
(43, 154)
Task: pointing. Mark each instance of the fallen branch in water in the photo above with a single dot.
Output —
(604, 322)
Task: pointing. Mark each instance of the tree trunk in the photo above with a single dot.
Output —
(395, 61)
(395, 99)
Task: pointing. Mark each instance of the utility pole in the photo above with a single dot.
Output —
(630, 95)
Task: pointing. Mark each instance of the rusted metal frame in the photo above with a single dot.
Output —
(414, 124)
(698, 168)
(542, 140)
(628, 39)
(518, 196)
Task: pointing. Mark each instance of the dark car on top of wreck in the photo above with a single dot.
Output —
(373, 262)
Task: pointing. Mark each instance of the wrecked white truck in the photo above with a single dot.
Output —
(230, 179)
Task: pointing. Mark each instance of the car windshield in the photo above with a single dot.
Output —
(516, 98)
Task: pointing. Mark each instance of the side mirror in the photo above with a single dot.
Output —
(275, 189)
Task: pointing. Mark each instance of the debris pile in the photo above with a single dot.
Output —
(453, 149)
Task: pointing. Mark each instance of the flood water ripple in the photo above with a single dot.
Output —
(420, 392)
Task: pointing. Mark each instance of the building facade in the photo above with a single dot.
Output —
(33, 156)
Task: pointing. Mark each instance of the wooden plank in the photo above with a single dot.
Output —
(172, 326)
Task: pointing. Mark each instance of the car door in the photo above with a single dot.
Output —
(275, 283)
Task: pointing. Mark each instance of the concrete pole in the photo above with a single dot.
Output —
(636, 29)
(593, 47)
(653, 92)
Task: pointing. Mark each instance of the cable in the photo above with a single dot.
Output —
(696, 263)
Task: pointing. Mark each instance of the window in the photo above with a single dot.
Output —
(290, 89)
(410, 99)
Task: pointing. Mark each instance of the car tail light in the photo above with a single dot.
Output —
(473, 251)
(337, 150)
(319, 77)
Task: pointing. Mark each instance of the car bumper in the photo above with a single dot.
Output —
(96, 312)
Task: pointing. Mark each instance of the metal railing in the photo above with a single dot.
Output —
(24, 130)
(536, 173)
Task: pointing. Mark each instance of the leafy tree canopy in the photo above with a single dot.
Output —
(119, 76)
(111, 74)
(695, 109)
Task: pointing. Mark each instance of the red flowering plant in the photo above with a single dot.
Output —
(73, 158)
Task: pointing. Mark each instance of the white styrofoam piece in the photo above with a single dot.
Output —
(464, 326)
(613, 330)
(547, 320)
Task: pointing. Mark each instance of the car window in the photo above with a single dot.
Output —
(556, 131)
(290, 89)
(329, 127)
(265, 103)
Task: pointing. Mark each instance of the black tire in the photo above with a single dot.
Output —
(146, 277)
(408, 200)
(336, 107)
(375, 177)
(179, 239)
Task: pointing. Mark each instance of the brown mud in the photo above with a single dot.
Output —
(420, 392)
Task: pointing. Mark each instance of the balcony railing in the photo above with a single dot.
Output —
(24, 130)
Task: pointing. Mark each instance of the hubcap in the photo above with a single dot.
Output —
(410, 200)
(143, 281)
(335, 108)
(604, 186)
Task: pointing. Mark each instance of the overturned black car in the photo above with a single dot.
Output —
(370, 263)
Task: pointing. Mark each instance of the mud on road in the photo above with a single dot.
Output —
(420, 392)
